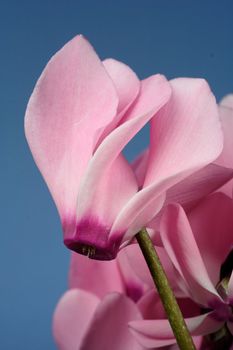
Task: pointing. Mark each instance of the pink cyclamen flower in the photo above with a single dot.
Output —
(95, 313)
(104, 298)
(79, 118)
(200, 247)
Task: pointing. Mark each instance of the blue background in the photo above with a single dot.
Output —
(176, 38)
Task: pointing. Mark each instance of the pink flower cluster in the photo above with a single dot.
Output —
(81, 115)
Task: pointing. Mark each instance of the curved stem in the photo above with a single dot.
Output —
(175, 317)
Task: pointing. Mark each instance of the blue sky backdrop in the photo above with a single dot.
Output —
(176, 38)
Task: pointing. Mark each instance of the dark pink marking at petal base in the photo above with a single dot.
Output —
(222, 310)
(91, 238)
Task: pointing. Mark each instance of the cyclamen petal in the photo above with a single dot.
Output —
(126, 83)
(182, 249)
(66, 106)
(79, 318)
(118, 310)
(213, 218)
(155, 333)
(127, 87)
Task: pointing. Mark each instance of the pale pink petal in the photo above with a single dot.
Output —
(109, 326)
(212, 225)
(109, 181)
(155, 333)
(97, 277)
(73, 98)
(186, 135)
(127, 86)
(155, 91)
(182, 249)
(125, 80)
(72, 318)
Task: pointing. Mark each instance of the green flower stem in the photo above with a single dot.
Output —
(175, 317)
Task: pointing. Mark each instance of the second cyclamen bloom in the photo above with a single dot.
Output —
(79, 118)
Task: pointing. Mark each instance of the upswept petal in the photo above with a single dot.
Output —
(178, 240)
(213, 219)
(97, 277)
(127, 87)
(73, 98)
(154, 93)
(109, 326)
(186, 135)
(72, 317)
(156, 333)
(126, 83)
(108, 176)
